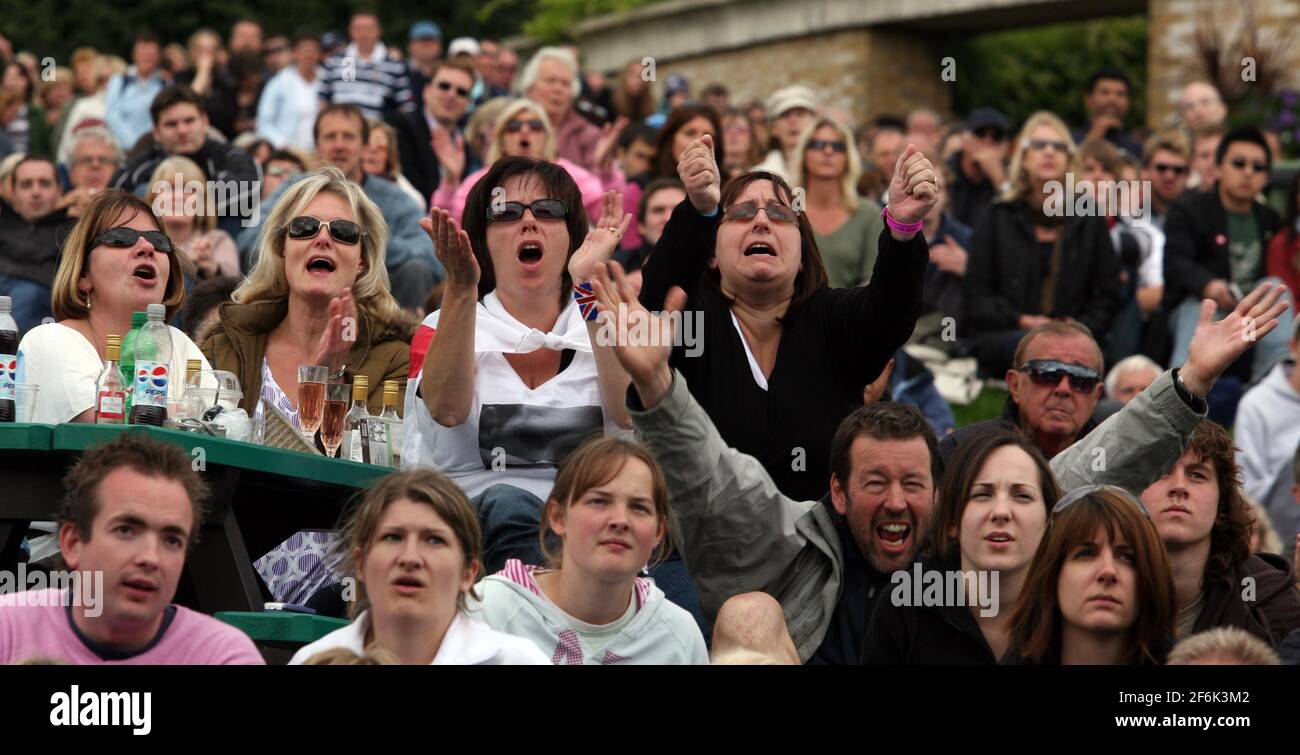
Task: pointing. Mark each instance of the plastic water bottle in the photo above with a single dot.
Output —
(8, 360)
(127, 363)
(153, 359)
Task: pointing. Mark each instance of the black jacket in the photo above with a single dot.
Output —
(1196, 243)
(31, 250)
(1010, 420)
(415, 152)
(1006, 269)
(907, 635)
(1270, 614)
(863, 587)
(219, 162)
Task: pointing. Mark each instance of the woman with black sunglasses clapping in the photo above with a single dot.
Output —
(1038, 254)
(509, 384)
(115, 261)
(775, 356)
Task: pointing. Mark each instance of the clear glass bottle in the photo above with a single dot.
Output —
(391, 391)
(352, 449)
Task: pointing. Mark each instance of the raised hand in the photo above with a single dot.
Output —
(451, 154)
(1216, 345)
(623, 318)
(340, 333)
(914, 188)
(451, 245)
(602, 240)
(698, 169)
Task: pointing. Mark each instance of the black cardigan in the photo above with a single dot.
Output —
(832, 346)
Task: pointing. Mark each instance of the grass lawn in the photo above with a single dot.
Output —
(987, 406)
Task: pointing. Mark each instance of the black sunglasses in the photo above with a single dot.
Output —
(517, 126)
(122, 236)
(1041, 144)
(993, 134)
(1048, 373)
(1240, 163)
(1177, 170)
(775, 211)
(1080, 493)
(820, 144)
(447, 86)
(342, 231)
(543, 209)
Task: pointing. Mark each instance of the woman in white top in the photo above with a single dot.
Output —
(609, 510)
(178, 194)
(413, 547)
(116, 261)
(509, 385)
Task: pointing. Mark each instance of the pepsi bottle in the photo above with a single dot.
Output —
(153, 359)
(8, 360)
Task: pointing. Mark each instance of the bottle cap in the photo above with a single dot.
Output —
(193, 365)
(113, 339)
(6, 304)
(361, 380)
(156, 312)
(390, 391)
(138, 319)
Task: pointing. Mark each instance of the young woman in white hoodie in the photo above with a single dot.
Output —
(609, 512)
(413, 548)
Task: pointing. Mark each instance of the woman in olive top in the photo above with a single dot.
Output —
(847, 227)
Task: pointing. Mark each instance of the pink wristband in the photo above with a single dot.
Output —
(900, 227)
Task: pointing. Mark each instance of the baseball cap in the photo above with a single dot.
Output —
(676, 84)
(789, 98)
(987, 117)
(462, 46)
(425, 30)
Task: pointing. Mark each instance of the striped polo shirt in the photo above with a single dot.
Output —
(376, 84)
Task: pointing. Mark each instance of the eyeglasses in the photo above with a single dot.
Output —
(447, 86)
(821, 144)
(1080, 493)
(543, 209)
(1241, 163)
(990, 134)
(1177, 170)
(122, 236)
(775, 211)
(1048, 373)
(342, 231)
(516, 126)
(1038, 145)
(278, 171)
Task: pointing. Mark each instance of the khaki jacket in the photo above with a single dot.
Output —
(238, 344)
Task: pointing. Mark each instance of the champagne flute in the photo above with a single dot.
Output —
(311, 398)
(336, 409)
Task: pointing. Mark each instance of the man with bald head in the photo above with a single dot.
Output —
(1055, 382)
(1201, 106)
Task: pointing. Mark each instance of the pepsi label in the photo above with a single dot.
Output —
(8, 376)
(150, 385)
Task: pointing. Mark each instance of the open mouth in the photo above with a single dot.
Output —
(759, 247)
(408, 584)
(999, 538)
(894, 534)
(525, 144)
(145, 272)
(530, 252)
(320, 265)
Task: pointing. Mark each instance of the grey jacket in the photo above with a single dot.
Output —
(737, 533)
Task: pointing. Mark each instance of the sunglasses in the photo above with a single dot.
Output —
(1048, 373)
(1177, 170)
(1038, 145)
(775, 211)
(543, 209)
(1078, 494)
(514, 127)
(1241, 163)
(126, 237)
(342, 231)
(447, 86)
(820, 144)
(991, 134)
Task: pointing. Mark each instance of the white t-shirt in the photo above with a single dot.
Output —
(66, 367)
(513, 435)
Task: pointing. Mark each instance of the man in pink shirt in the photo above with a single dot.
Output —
(131, 511)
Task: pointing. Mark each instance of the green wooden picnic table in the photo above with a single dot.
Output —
(260, 496)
